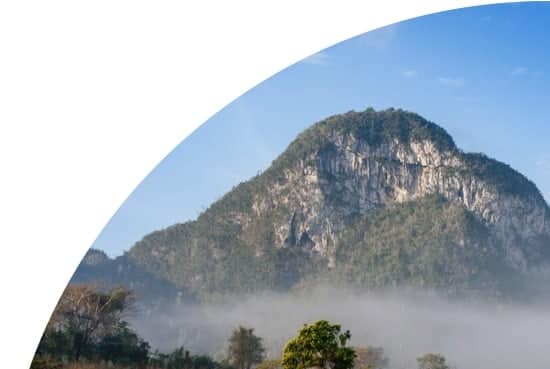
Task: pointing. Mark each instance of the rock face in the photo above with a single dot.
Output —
(350, 176)
(343, 169)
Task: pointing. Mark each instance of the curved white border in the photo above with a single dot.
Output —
(94, 94)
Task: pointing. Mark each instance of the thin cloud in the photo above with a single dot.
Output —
(520, 71)
(379, 38)
(543, 163)
(452, 82)
(320, 58)
(409, 73)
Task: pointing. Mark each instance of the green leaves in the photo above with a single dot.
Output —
(429, 242)
(245, 348)
(320, 345)
(432, 361)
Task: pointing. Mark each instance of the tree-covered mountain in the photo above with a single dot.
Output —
(106, 273)
(368, 199)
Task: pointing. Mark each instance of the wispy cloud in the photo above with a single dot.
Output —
(520, 71)
(543, 163)
(379, 38)
(409, 73)
(452, 82)
(321, 58)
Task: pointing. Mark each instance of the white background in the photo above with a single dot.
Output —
(93, 94)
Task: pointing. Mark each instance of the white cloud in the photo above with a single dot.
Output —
(379, 38)
(519, 71)
(452, 82)
(409, 73)
(321, 58)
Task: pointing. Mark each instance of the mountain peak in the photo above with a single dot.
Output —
(302, 217)
(95, 257)
(379, 127)
(374, 127)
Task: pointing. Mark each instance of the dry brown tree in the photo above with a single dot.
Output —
(87, 313)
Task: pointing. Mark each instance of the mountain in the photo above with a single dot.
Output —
(368, 199)
(150, 291)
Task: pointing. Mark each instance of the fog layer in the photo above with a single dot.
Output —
(405, 324)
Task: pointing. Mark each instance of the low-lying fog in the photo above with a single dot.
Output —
(406, 325)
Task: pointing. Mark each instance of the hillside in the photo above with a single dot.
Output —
(369, 199)
(149, 290)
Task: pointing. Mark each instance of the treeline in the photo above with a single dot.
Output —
(87, 331)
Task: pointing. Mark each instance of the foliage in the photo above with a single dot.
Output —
(121, 271)
(87, 324)
(432, 361)
(269, 364)
(39, 362)
(370, 358)
(183, 359)
(86, 331)
(429, 242)
(376, 128)
(56, 343)
(500, 175)
(321, 345)
(85, 313)
(245, 349)
(123, 346)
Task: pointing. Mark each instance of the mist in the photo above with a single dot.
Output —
(405, 324)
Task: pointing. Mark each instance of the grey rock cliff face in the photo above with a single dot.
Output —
(348, 177)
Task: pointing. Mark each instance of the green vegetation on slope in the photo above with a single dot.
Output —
(501, 175)
(426, 243)
(99, 269)
(375, 127)
(209, 258)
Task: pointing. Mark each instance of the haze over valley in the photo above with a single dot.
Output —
(373, 219)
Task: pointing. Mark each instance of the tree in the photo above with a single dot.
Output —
(87, 314)
(54, 343)
(432, 361)
(123, 346)
(245, 349)
(319, 345)
(370, 358)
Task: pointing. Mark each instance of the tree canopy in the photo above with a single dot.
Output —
(432, 361)
(245, 348)
(370, 358)
(85, 314)
(319, 345)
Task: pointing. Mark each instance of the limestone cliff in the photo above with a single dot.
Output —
(349, 174)
(286, 224)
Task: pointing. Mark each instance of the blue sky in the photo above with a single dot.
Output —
(481, 73)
